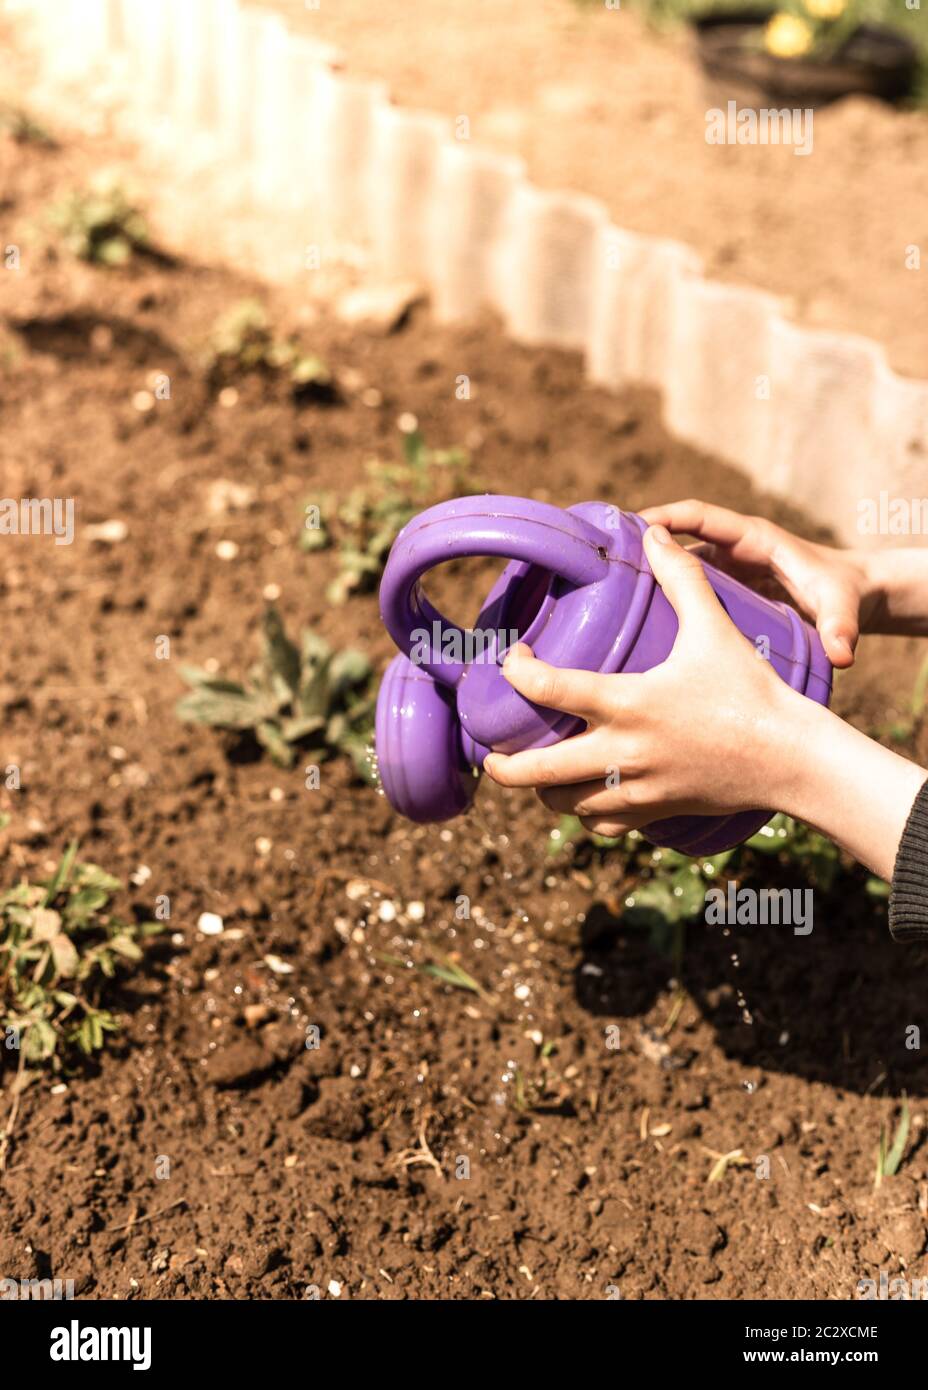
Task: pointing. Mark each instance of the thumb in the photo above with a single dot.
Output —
(681, 577)
(838, 623)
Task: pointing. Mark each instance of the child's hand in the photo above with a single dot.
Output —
(831, 586)
(711, 730)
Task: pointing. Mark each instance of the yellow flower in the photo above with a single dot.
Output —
(787, 37)
(825, 9)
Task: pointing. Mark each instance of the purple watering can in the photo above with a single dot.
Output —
(579, 590)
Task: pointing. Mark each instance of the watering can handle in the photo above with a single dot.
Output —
(514, 528)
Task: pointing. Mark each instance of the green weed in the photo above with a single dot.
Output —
(305, 696)
(59, 946)
(363, 526)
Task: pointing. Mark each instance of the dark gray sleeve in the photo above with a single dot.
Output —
(908, 903)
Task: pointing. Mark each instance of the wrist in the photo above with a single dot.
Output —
(848, 786)
(894, 590)
(801, 726)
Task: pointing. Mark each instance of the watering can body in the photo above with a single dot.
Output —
(578, 589)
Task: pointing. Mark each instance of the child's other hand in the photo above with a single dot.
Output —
(830, 586)
(711, 730)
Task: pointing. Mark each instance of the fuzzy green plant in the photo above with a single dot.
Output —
(100, 224)
(243, 341)
(668, 891)
(363, 525)
(60, 947)
(296, 697)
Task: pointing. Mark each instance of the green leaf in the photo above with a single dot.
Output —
(124, 946)
(654, 909)
(92, 876)
(452, 974)
(689, 890)
(113, 251)
(714, 866)
(348, 669)
(45, 923)
(314, 650)
(281, 656)
(60, 877)
(893, 1159)
(39, 1041)
(64, 954)
(83, 904)
(301, 726)
(199, 676)
(310, 370)
(358, 749)
(565, 832)
(222, 711)
(269, 735)
(313, 538)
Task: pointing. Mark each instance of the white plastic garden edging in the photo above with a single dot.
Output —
(263, 120)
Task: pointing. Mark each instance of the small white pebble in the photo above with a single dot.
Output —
(271, 592)
(354, 1070)
(407, 423)
(276, 794)
(141, 876)
(226, 550)
(143, 401)
(415, 911)
(357, 888)
(210, 923)
(387, 912)
(228, 397)
(263, 845)
(59, 1089)
(110, 532)
(278, 966)
(118, 754)
(335, 1288)
(522, 991)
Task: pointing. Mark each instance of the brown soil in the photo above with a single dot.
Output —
(289, 1167)
(596, 101)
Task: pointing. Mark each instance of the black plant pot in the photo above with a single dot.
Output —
(873, 61)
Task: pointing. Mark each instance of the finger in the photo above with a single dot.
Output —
(574, 692)
(838, 623)
(748, 539)
(594, 798)
(682, 578)
(612, 828)
(578, 759)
